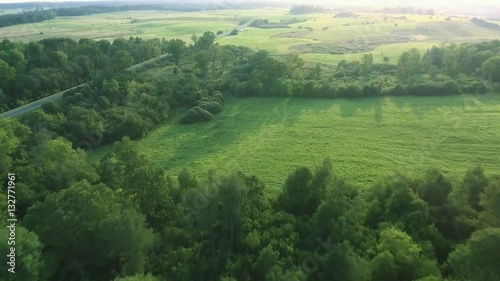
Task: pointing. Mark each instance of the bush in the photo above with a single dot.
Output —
(371, 91)
(51, 108)
(397, 90)
(196, 115)
(434, 89)
(211, 106)
(352, 90)
(218, 97)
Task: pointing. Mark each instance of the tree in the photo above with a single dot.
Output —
(293, 198)
(121, 60)
(61, 165)
(409, 64)
(202, 60)
(366, 63)
(491, 68)
(97, 234)
(29, 262)
(450, 61)
(147, 277)
(477, 259)
(490, 203)
(176, 48)
(9, 142)
(315, 73)
(473, 186)
(7, 74)
(435, 189)
(205, 41)
(86, 127)
(400, 253)
(58, 58)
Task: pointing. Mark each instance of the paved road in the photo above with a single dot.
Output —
(227, 33)
(55, 97)
(58, 96)
(36, 104)
(135, 67)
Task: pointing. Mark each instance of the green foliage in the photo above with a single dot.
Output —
(29, 261)
(476, 260)
(490, 203)
(196, 115)
(61, 166)
(491, 68)
(147, 277)
(409, 64)
(400, 253)
(304, 9)
(176, 47)
(96, 233)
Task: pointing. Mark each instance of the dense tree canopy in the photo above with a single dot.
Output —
(123, 218)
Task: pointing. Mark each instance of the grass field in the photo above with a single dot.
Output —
(316, 40)
(366, 138)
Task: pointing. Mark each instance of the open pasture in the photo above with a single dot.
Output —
(318, 38)
(366, 138)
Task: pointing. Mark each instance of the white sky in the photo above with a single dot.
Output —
(430, 3)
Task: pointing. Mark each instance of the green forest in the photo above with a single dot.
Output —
(125, 219)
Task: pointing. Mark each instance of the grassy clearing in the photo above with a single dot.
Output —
(149, 24)
(366, 138)
(324, 29)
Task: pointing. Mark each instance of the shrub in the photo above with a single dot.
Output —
(196, 115)
(211, 106)
(397, 90)
(218, 96)
(371, 91)
(51, 108)
(434, 89)
(352, 90)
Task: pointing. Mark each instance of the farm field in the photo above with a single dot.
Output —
(317, 38)
(366, 138)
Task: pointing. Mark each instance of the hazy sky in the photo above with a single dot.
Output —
(446, 3)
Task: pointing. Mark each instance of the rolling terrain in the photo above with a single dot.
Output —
(317, 38)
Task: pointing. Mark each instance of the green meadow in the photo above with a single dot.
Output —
(318, 38)
(366, 138)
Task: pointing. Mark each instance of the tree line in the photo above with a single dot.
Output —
(123, 218)
(30, 71)
(197, 75)
(41, 14)
(117, 103)
(445, 70)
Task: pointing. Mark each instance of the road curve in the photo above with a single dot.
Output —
(55, 97)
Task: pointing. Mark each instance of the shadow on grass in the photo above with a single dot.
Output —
(351, 107)
(421, 106)
(240, 120)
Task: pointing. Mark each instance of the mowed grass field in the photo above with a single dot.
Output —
(316, 39)
(366, 138)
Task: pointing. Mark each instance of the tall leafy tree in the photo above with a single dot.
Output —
(98, 235)
(176, 48)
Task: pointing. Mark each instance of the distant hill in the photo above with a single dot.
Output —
(304, 9)
(485, 24)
